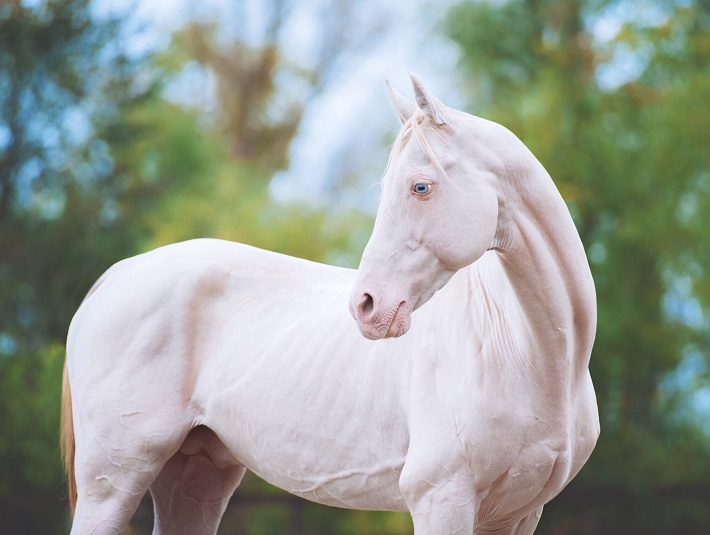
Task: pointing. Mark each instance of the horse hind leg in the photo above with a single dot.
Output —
(194, 487)
(110, 488)
(117, 457)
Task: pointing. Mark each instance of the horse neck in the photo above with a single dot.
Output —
(543, 260)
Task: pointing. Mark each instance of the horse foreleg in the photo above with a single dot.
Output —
(438, 515)
(438, 506)
(528, 524)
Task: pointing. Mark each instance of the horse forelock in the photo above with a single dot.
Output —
(417, 125)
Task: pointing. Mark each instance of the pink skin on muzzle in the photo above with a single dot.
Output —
(378, 320)
(384, 310)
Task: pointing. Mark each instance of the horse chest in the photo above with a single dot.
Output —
(511, 463)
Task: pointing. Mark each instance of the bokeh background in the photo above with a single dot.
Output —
(124, 127)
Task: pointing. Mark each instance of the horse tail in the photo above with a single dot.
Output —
(67, 443)
(66, 427)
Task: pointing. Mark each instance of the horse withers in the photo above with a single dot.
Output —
(192, 363)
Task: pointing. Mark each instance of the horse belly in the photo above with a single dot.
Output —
(374, 488)
(309, 405)
(328, 454)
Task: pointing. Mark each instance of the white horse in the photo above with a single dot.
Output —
(190, 364)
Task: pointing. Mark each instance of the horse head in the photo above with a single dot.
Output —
(438, 212)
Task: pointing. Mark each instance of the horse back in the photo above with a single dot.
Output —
(162, 314)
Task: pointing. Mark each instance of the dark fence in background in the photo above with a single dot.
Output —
(260, 509)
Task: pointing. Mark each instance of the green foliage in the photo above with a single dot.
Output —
(232, 203)
(630, 161)
(63, 88)
(30, 474)
(217, 166)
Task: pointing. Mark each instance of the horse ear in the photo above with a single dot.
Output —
(428, 103)
(405, 108)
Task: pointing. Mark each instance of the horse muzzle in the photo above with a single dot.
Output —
(377, 320)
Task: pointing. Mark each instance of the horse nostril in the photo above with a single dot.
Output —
(366, 306)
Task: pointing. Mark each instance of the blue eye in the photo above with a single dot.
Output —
(422, 188)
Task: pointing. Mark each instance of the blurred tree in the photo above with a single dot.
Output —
(67, 211)
(260, 86)
(252, 94)
(55, 71)
(619, 122)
